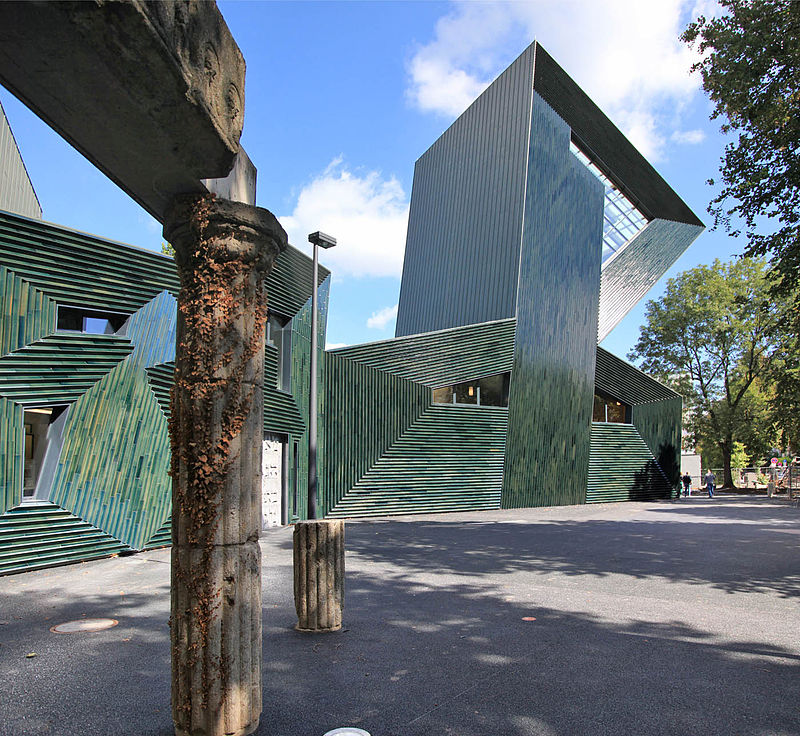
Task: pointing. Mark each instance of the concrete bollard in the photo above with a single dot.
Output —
(319, 574)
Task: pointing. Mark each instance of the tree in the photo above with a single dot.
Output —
(714, 336)
(751, 71)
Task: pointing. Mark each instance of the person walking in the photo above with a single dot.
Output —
(710, 480)
(687, 484)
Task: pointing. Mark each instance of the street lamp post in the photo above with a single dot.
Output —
(317, 544)
(323, 241)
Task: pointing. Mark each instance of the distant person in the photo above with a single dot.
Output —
(710, 480)
(687, 484)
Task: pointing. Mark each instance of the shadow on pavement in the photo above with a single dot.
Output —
(435, 638)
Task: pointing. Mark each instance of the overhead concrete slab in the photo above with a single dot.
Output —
(151, 93)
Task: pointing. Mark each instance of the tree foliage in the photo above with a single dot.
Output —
(750, 68)
(715, 337)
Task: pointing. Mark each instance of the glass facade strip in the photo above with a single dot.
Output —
(622, 221)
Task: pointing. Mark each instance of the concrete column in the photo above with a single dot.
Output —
(224, 250)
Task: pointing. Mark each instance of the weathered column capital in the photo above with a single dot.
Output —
(200, 227)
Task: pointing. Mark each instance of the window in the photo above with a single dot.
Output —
(621, 219)
(487, 391)
(608, 409)
(43, 437)
(90, 321)
(279, 335)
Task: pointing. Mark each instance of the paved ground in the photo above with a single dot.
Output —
(650, 618)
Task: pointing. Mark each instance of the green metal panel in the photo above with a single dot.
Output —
(114, 462)
(622, 468)
(281, 414)
(443, 357)
(465, 222)
(659, 425)
(366, 410)
(162, 536)
(449, 459)
(656, 409)
(153, 331)
(11, 448)
(630, 274)
(26, 314)
(59, 368)
(43, 535)
(82, 270)
(289, 282)
(112, 473)
(75, 268)
(301, 369)
(161, 379)
(552, 383)
(626, 383)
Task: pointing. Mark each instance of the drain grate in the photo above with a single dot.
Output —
(84, 625)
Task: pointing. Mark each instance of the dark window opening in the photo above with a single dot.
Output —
(279, 335)
(487, 391)
(608, 409)
(90, 321)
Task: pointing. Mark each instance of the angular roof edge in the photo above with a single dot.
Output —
(601, 139)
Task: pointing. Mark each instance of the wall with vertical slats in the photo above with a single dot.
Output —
(465, 221)
(11, 454)
(110, 490)
(26, 314)
(552, 385)
(631, 273)
(366, 411)
(113, 467)
(16, 191)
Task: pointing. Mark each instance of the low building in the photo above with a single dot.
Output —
(87, 349)
(535, 226)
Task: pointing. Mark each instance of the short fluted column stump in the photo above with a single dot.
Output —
(319, 574)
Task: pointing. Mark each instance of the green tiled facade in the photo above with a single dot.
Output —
(109, 490)
(550, 405)
(504, 285)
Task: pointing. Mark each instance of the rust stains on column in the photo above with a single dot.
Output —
(224, 251)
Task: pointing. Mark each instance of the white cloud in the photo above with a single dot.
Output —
(625, 54)
(688, 137)
(335, 345)
(365, 212)
(382, 317)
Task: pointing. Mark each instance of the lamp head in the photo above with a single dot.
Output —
(322, 240)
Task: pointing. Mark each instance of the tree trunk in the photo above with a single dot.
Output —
(224, 251)
(727, 452)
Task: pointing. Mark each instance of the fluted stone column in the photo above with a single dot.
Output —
(224, 251)
(319, 574)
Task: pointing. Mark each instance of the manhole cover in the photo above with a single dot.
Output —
(84, 625)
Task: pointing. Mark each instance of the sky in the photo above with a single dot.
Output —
(342, 98)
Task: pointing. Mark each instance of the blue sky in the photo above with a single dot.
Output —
(343, 97)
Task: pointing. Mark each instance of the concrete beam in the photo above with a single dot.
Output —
(151, 93)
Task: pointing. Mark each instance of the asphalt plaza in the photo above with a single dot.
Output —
(638, 618)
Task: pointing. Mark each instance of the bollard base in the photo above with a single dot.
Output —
(245, 731)
(319, 575)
